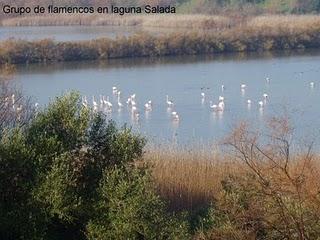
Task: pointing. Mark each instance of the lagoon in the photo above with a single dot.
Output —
(184, 79)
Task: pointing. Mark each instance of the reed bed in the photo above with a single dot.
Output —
(163, 21)
(189, 179)
(239, 39)
(192, 179)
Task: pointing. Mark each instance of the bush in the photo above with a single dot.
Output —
(20, 217)
(51, 169)
(129, 209)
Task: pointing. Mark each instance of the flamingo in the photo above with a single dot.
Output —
(134, 109)
(175, 116)
(84, 100)
(19, 109)
(213, 106)
(148, 105)
(101, 100)
(13, 99)
(114, 90)
(84, 103)
(221, 106)
(169, 102)
(119, 103)
(265, 96)
(109, 104)
(94, 103)
(261, 104)
(129, 100)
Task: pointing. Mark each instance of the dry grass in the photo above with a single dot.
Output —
(291, 23)
(167, 21)
(190, 21)
(188, 178)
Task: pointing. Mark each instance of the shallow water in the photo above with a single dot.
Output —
(183, 79)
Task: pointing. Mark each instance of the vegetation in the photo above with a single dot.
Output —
(258, 34)
(204, 6)
(67, 173)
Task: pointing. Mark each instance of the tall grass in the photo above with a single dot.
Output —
(188, 179)
(259, 34)
(166, 20)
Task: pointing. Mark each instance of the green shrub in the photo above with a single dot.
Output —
(129, 209)
(20, 217)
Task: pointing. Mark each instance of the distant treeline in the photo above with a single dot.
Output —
(261, 34)
(195, 6)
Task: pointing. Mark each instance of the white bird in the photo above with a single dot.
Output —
(133, 96)
(261, 104)
(120, 105)
(175, 116)
(13, 99)
(243, 86)
(213, 106)
(114, 90)
(221, 106)
(148, 105)
(19, 108)
(268, 80)
(129, 101)
(203, 95)
(169, 102)
(249, 101)
(101, 100)
(312, 84)
(265, 96)
(134, 109)
(94, 103)
(223, 88)
(108, 103)
(221, 99)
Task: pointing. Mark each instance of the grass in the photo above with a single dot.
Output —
(166, 21)
(188, 178)
(256, 34)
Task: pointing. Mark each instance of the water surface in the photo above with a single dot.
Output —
(184, 79)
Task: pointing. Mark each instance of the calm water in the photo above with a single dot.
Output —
(183, 79)
(75, 33)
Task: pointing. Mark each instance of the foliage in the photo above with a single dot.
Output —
(131, 210)
(55, 171)
(256, 34)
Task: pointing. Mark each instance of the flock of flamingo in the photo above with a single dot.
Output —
(104, 104)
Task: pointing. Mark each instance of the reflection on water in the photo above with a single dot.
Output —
(184, 79)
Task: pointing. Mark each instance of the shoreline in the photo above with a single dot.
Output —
(258, 34)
